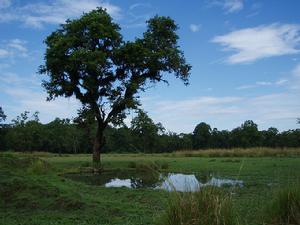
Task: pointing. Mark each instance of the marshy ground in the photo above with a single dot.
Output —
(34, 188)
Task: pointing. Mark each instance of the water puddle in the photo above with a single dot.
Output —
(189, 182)
(164, 181)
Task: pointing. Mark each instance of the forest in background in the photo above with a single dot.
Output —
(27, 134)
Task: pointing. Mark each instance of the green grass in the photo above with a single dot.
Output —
(33, 190)
(285, 207)
(208, 205)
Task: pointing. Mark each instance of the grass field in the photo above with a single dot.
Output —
(33, 190)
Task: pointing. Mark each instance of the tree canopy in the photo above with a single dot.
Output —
(88, 58)
(201, 135)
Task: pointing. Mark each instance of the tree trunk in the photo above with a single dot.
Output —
(98, 144)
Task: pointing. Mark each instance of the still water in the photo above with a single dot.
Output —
(165, 181)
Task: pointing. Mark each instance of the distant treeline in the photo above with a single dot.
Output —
(26, 133)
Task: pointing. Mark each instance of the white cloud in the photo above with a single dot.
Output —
(4, 53)
(278, 109)
(233, 5)
(56, 12)
(281, 81)
(195, 27)
(139, 5)
(243, 87)
(277, 83)
(256, 43)
(230, 6)
(30, 100)
(264, 83)
(183, 115)
(18, 44)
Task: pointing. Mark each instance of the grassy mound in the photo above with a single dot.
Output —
(27, 183)
(34, 165)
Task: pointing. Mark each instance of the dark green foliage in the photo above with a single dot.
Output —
(269, 137)
(146, 132)
(27, 134)
(247, 135)
(220, 139)
(87, 58)
(207, 206)
(2, 115)
(285, 207)
(201, 136)
(2, 129)
(132, 165)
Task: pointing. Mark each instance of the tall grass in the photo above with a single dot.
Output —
(285, 207)
(239, 152)
(207, 206)
(38, 166)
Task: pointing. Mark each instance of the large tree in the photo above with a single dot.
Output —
(87, 58)
(201, 136)
(145, 131)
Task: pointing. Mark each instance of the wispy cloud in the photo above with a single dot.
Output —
(254, 9)
(295, 84)
(137, 15)
(27, 99)
(13, 48)
(191, 104)
(291, 81)
(256, 43)
(230, 6)
(195, 27)
(296, 71)
(183, 115)
(13, 80)
(277, 109)
(233, 5)
(54, 12)
(4, 53)
(24, 93)
(279, 82)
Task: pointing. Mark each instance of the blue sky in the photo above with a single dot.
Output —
(245, 56)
